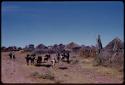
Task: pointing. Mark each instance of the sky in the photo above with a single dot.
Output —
(51, 23)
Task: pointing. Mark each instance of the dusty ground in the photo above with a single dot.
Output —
(80, 72)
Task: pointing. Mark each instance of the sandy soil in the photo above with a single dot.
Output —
(81, 72)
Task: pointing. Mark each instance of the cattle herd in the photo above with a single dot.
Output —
(32, 58)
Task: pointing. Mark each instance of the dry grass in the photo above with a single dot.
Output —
(81, 71)
(109, 71)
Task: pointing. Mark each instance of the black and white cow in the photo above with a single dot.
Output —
(63, 55)
(46, 57)
(32, 58)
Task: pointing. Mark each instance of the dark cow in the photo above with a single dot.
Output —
(66, 55)
(10, 55)
(32, 58)
(46, 57)
(39, 59)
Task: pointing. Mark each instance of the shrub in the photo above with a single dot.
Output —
(47, 75)
(35, 74)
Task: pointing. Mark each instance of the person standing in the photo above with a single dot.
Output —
(27, 59)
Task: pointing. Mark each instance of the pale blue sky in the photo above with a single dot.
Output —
(61, 22)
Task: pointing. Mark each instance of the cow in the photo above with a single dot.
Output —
(32, 58)
(39, 59)
(10, 55)
(53, 61)
(46, 57)
(66, 55)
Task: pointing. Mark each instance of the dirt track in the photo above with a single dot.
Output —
(81, 72)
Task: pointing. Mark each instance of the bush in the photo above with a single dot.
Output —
(47, 75)
(35, 74)
(106, 58)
